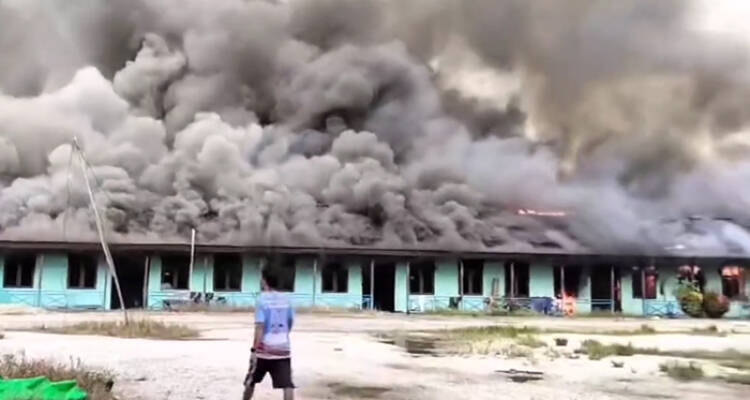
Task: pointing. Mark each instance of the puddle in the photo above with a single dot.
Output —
(357, 392)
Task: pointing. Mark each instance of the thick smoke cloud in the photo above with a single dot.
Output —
(408, 124)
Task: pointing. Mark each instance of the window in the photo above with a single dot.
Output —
(335, 278)
(175, 271)
(82, 271)
(516, 279)
(733, 281)
(652, 279)
(691, 274)
(283, 268)
(473, 277)
(572, 276)
(19, 271)
(228, 273)
(422, 278)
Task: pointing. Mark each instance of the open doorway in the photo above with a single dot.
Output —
(131, 271)
(384, 287)
(605, 286)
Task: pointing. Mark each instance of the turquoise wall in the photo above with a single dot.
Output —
(352, 298)
(50, 286)
(446, 286)
(493, 270)
(541, 280)
(401, 287)
(446, 278)
(630, 305)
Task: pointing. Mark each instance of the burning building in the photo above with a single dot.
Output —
(373, 132)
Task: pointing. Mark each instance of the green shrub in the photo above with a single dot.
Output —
(691, 300)
(530, 341)
(597, 351)
(715, 305)
(682, 372)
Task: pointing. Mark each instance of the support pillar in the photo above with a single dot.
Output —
(408, 285)
(372, 284)
(314, 280)
(612, 287)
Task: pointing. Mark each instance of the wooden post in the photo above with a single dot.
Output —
(315, 279)
(461, 283)
(205, 274)
(408, 285)
(100, 228)
(40, 267)
(192, 260)
(512, 280)
(106, 283)
(372, 284)
(612, 287)
(146, 269)
(643, 290)
(461, 278)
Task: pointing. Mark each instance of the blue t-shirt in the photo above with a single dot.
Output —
(274, 311)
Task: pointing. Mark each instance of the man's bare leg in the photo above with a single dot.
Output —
(288, 394)
(248, 393)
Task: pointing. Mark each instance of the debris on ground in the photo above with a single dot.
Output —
(522, 376)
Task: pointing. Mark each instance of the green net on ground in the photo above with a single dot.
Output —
(40, 389)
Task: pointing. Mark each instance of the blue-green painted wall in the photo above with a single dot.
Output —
(541, 280)
(401, 286)
(50, 286)
(630, 305)
(353, 296)
(493, 271)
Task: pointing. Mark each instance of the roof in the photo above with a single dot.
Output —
(351, 251)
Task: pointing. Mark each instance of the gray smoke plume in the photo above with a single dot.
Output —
(512, 125)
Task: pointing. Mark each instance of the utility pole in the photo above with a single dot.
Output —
(100, 227)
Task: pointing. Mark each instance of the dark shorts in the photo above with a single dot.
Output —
(280, 370)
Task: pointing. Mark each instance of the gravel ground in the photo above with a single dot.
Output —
(336, 357)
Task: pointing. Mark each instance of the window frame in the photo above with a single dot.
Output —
(229, 269)
(339, 269)
(176, 269)
(472, 268)
(81, 267)
(740, 279)
(283, 262)
(418, 270)
(20, 261)
(638, 272)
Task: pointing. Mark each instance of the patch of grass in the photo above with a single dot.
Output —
(742, 379)
(530, 341)
(711, 330)
(211, 308)
(682, 372)
(492, 332)
(97, 383)
(597, 351)
(148, 329)
(739, 364)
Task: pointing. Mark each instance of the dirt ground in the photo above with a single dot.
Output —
(338, 357)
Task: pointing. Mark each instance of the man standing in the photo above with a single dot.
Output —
(271, 352)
